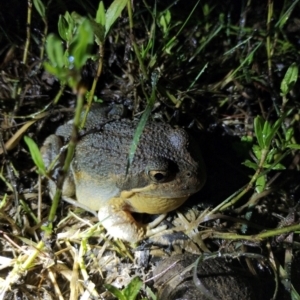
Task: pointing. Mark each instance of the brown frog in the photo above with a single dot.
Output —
(182, 277)
(166, 169)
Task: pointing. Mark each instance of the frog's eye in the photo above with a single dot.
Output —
(158, 176)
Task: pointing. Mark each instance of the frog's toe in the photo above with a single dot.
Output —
(153, 228)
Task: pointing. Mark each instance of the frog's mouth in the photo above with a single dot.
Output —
(142, 203)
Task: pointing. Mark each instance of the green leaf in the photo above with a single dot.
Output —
(294, 146)
(250, 164)
(71, 26)
(63, 27)
(150, 293)
(84, 39)
(35, 154)
(99, 24)
(273, 130)
(133, 288)
(55, 51)
(279, 167)
(117, 293)
(77, 18)
(99, 32)
(271, 154)
(40, 7)
(289, 134)
(142, 123)
(266, 132)
(286, 16)
(258, 129)
(51, 69)
(113, 12)
(257, 151)
(289, 79)
(100, 15)
(260, 184)
(164, 20)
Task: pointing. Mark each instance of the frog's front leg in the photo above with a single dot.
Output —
(51, 154)
(117, 219)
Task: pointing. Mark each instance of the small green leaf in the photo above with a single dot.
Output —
(77, 18)
(260, 184)
(273, 131)
(279, 167)
(206, 10)
(63, 27)
(70, 28)
(257, 151)
(258, 129)
(40, 7)
(151, 293)
(99, 24)
(271, 154)
(142, 123)
(100, 15)
(113, 12)
(35, 154)
(164, 20)
(289, 134)
(294, 146)
(133, 288)
(250, 164)
(286, 16)
(51, 69)
(99, 32)
(84, 39)
(117, 293)
(268, 133)
(55, 51)
(289, 79)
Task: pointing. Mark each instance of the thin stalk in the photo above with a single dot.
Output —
(28, 32)
(42, 51)
(257, 237)
(241, 192)
(135, 47)
(268, 42)
(20, 269)
(27, 43)
(70, 153)
(264, 154)
(58, 95)
(95, 81)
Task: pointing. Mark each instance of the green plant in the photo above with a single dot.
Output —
(35, 154)
(66, 63)
(130, 292)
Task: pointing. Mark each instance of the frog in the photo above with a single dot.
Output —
(184, 276)
(166, 168)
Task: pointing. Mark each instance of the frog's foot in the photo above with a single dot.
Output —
(120, 223)
(152, 228)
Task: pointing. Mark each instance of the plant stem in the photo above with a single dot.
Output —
(28, 27)
(43, 42)
(257, 237)
(249, 186)
(268, 42)
(58, 95)
(70, 153)
(135, 47)
(95, 81)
